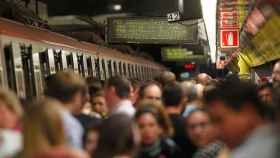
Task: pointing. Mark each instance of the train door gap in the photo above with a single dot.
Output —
(58, 61)
(10, 67)
(27, 62)
(90, 69)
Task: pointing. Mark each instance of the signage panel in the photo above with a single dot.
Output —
(229, 38)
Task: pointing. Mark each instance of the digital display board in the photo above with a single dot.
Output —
(151, 31)
(180, 54)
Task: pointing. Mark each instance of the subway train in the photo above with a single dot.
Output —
(30, 54)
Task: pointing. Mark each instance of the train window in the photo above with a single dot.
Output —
(10, 67)
(58, 60)
(27, 62)
(110, 68)
(89, 66)
(120, 68)
(124, 69)
(103, 70)
(81, 69)
(70, 62)
(115, 68)
(97, 68)
(14, 69)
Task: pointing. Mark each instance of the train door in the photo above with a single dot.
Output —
(3, 78)
(97, 67)
(58, 60)
(14, 69)
(64, 59)
(102, 69)
(108, 70)
(86, 66)
(37, 72)
(93, 63)
(47, 64)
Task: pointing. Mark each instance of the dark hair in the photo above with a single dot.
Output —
(121, 141)
(264, 86)
(234, 94)
(146, 85)
(172, 94)
(94, 85)
(64, 85)
(99, 93)
(121, 84)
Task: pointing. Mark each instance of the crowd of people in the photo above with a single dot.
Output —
(162, 118)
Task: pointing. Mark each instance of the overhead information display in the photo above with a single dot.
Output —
(180, 54)
(151, 31)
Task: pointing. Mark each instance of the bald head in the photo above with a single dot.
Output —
(203, 78)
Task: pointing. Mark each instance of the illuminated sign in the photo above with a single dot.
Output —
(151, 31)
(180, 54)
(229, 38)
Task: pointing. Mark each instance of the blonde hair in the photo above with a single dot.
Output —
(42, 127)
(11, 101)
(157, 110)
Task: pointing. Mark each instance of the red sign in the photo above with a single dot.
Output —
(229, 38)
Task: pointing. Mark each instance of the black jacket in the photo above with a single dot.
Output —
(165, 148)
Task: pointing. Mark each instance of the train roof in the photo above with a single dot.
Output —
(19, 30)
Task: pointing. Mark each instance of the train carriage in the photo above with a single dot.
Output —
(29, 55)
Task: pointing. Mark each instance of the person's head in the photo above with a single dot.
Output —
(69, 88)
(152, 121)
(98, 102)
(234, 104)
(189, 91)
(265, 93)
(203, 78)
(91, 136)
(116, 88)
(172, 95)
(134, 91)
(167, 77)
(123, 141)
(276, 72)
(42, 127)
(10, 109)
(199, 127)
(150, 90)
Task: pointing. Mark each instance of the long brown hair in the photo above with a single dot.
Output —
(157, 110)
(42, 127)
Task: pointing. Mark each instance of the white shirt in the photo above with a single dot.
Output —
(10, 143)
(262, 143)
(125, 107)
(73, 129)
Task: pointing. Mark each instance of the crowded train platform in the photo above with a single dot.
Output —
(140, 79)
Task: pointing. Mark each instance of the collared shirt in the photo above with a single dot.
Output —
(125, 107)
(262, 143)
(73, 129)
